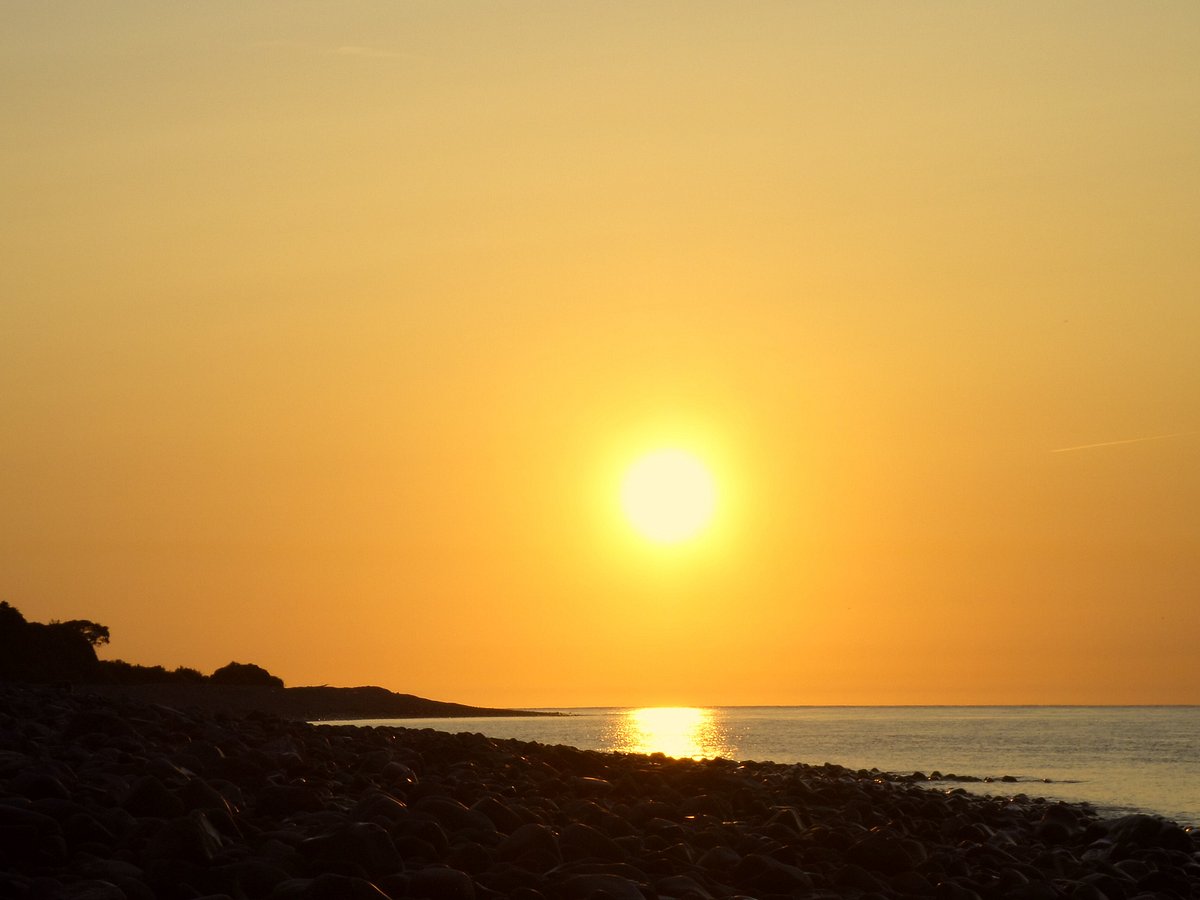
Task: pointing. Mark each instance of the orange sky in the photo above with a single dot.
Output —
(328, 330)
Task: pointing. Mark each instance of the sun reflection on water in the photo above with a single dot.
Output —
(679, 731)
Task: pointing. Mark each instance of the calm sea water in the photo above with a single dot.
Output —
(1119, 759)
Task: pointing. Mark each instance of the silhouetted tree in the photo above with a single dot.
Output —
(66, 651)
(12, 631)
(10, 618)
(31, 651)
(184, 673)
(94, 633)
(245, 674)
(117, 671)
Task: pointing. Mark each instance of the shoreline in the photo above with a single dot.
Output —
(1072, 757)
(301, 704)
(121, 798)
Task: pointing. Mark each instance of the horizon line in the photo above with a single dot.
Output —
(870, 706)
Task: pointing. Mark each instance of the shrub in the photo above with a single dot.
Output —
(245, 674)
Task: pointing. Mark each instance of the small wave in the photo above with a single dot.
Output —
(939, 778)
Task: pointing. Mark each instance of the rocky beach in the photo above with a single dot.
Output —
(117, 798)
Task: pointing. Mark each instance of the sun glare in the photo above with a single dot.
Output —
(678, 731)
(668, 496)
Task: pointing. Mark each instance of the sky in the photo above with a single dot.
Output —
(328, 330)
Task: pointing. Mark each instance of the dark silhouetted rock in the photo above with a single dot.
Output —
(363, 844)
(579, 841)
(878, 852)
(766, 873)
(442, 883)
(600, 886)
(150, 797)
(29, 838)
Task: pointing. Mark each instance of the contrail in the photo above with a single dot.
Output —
(1137, 440)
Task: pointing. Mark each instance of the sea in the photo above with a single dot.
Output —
(1119, 760)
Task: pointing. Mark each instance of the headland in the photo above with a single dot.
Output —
(305, 704)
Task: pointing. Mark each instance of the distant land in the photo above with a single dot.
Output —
(63, 654)
(308, 704)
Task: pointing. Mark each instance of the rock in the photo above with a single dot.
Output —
(251, 877)
(332, 886)
(719, 859)
(683, 887)
(289, 799)
(879, 852)
(379, 807)
(509, 880)
(578, 841)
(910, 883)
(1051, 832)
(150, 797)
(29, 839)
(36, 785)
(441, 883)
(533, 846)
(951, 890)
(192, 838)
(421, 841)
(197, 794)
(291, 889)
(791, 820)
(93, 890)
(1033, 890)
(503, 818)
(769, 874)
(1149, 831)
(364, 845)
(452, 814)
(1164, 882)
(598, 886)
(1084, 891)
(88, 723)
(859, 879)
(13, 762)
(1111, 886)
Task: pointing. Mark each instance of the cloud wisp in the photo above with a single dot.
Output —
(1136, 440)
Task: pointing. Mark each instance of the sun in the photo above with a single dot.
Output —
(668, 496)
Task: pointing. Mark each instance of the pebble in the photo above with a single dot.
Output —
(106, 799)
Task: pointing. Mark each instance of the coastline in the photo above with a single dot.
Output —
(301, 704)
(1097, 755)
(141, 800)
